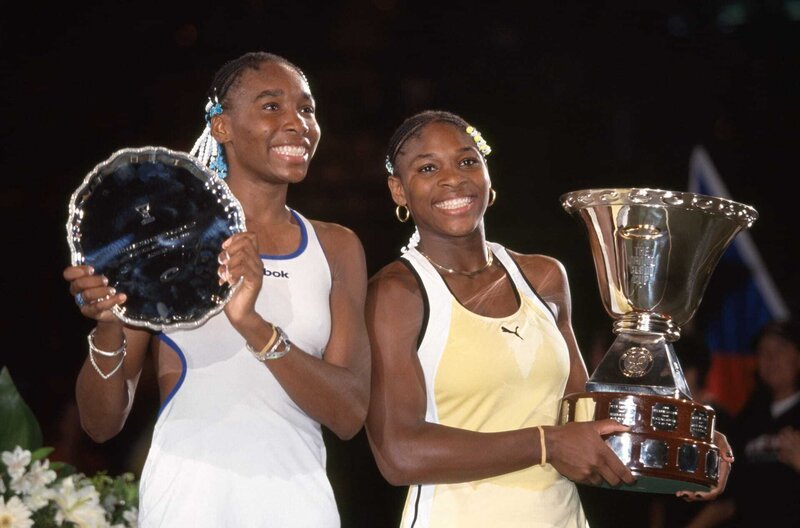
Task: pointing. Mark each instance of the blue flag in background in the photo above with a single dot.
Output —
(739, 299)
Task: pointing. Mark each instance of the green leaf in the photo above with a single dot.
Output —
(62, 468)
(18, 425)
(41, 453)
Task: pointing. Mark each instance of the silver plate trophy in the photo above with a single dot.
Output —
(654, 252)
(153, 221)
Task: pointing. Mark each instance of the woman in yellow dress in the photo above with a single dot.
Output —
(473, 349)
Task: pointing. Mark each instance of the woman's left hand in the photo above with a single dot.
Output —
(726, 463)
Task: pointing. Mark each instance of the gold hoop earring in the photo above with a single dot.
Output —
(401, 215)
(492, 197)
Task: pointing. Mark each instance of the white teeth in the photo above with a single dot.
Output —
(455, 203)
(289, 150)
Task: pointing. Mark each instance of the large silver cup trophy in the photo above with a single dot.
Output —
(654, 252)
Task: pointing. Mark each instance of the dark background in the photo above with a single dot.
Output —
(570, 95)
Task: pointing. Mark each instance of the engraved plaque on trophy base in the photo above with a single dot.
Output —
(669, 445)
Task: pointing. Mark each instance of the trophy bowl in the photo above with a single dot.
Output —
(152, 220)
(654, 252)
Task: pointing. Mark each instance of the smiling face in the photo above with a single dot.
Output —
(443, 180)
(268, 127)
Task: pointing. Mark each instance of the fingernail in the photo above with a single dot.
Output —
(112, 291)
(90, 269)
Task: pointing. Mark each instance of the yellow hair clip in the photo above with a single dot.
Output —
(483, 147)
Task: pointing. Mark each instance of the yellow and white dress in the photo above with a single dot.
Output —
(491, 374)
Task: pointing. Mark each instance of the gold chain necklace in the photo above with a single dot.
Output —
(489, 262)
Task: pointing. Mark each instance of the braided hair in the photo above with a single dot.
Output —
(229, 74)
(411, 128)
(206, 149)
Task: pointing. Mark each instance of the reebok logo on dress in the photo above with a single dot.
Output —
(278, 274)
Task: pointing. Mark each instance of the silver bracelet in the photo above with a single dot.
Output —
(278, 349)
(93, 348)
(123, 349)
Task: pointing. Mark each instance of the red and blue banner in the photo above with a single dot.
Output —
(740, 298)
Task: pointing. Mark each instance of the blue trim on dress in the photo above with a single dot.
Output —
(303, 241)
(174, 346)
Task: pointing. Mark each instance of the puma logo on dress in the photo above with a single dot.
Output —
(514, 331)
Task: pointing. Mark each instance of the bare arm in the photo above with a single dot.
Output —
(334, 390)
(104, 404)
(407, 448)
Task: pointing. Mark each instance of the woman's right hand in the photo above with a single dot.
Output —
(578, 452)
(240, 264)
(97, 297)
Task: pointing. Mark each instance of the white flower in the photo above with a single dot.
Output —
(16, 461)
(14, 514)
(131, 517)
(79, 506)
(39, 476)
(110, 502)
(37, 499)
(72, 501)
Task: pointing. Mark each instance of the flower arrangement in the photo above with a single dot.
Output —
(37, 492)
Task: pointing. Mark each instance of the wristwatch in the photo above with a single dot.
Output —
(278, 349)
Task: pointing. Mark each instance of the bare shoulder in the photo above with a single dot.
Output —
(535, 259)
(395, 310)
(334, 236)
(396, 286)
(345, 255)
(546, 274)
(537, 265)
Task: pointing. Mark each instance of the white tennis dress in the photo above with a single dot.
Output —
(230, 448)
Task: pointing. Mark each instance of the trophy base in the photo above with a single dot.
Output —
(669, 445)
